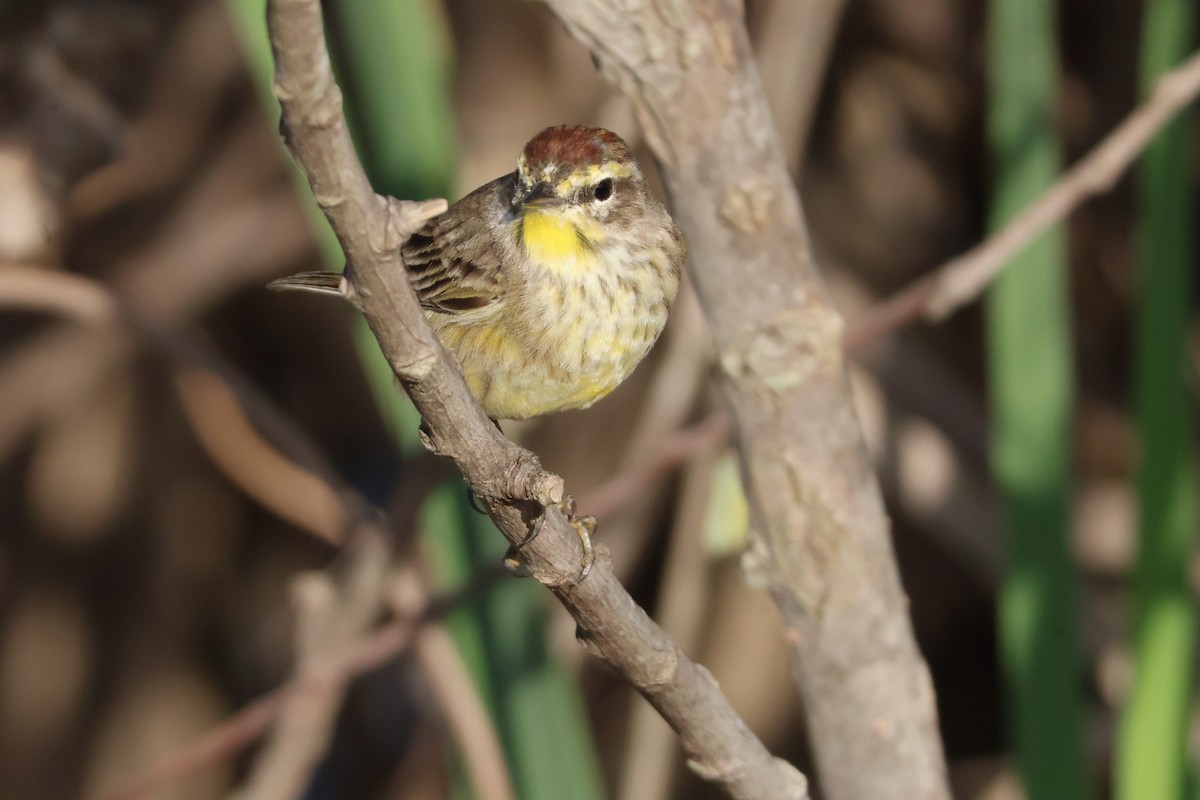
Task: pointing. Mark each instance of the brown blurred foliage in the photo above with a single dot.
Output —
(143, 594)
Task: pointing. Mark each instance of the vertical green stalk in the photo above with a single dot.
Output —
(1152, 757)
(393, 59)
(1030, 371)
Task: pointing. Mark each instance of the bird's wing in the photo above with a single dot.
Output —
(454, 262)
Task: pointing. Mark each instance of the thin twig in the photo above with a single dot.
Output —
(455, 693)
(960, 280)
(246, 726)
(218, 744)
(36, 287)
(180, 272)
(672, 450)
(331, 614)
(650, 759)
(520, 495)
(295, 494)
(215, 399)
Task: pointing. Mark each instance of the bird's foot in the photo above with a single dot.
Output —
(583, 526)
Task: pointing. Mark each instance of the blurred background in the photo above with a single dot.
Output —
(153, 516)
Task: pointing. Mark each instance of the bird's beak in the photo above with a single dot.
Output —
(541, 196)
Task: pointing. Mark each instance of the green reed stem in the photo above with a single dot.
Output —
(1151, 762)
(1030, 371)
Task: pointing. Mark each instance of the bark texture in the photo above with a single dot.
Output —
(521, 497)
(822, 537)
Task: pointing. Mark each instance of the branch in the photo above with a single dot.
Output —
(330, 617)
(822, 540)
(959, 281)
(520, 495)
(676, 448)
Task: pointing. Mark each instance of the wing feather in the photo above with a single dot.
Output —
(454, 261)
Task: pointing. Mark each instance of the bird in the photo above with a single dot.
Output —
(549, 284)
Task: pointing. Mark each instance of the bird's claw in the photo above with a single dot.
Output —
(583, 526)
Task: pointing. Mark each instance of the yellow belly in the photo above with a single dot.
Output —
(562, 347)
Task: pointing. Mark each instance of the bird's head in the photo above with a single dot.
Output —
(577, 191)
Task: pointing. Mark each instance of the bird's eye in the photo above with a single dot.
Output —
(603, 190)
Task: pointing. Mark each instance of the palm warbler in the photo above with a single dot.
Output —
(551, 283)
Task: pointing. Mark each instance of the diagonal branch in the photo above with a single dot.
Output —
(520, 495)
(960, 280)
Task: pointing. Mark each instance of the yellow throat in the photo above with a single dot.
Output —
(553, 240)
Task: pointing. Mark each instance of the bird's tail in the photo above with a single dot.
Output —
(319, 282)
